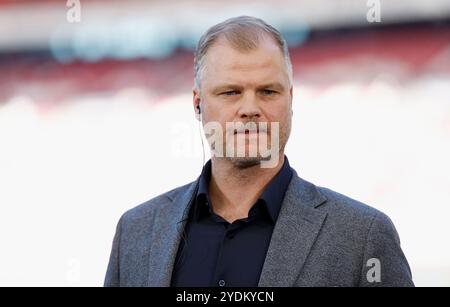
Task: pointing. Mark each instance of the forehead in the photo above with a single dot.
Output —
(225, 63)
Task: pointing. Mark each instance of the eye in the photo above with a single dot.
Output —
(268, 92)
(229, 93)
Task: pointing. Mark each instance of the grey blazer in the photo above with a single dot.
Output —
(321, 238)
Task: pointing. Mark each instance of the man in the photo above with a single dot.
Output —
(242, 223)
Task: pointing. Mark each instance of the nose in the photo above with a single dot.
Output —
(249, 108)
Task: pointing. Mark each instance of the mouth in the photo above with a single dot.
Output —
(248, 131)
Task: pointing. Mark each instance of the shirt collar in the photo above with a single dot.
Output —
(271, 197)
(202, 203)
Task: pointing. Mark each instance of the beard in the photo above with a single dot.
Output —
(247, 160)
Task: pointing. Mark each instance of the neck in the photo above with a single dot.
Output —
(234, 190)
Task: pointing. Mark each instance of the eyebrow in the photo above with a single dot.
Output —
(275, 85)
(223, 87)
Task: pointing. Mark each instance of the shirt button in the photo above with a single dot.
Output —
(221, 282)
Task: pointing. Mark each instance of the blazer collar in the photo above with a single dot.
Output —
(167, 232)
(294, 234)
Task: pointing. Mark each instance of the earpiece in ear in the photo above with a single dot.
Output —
(199, 110)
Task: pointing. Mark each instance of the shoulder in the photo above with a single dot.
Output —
(349, 220)
(347, 209)
(151, 208)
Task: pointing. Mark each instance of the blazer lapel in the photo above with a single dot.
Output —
(295, 232)
(167, 231)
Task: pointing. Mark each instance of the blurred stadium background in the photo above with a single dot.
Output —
(96, 118)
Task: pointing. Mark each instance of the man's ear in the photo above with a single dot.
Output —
(196, 102)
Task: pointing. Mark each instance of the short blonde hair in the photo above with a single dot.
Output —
(243, 33)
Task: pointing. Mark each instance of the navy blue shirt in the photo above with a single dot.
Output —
(216, 253)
